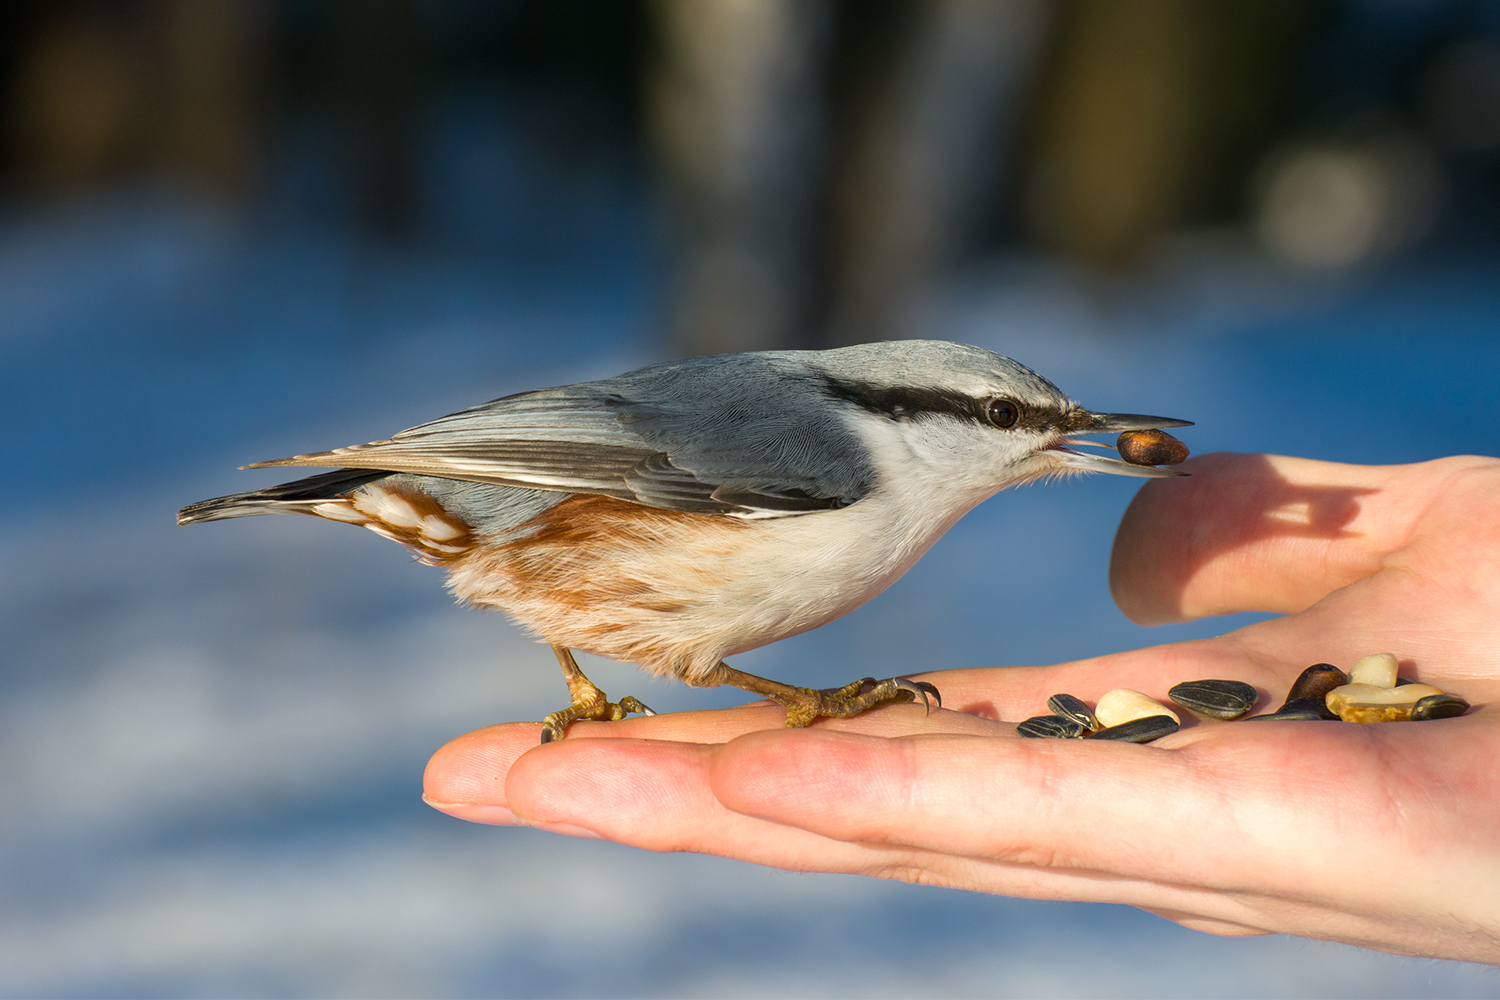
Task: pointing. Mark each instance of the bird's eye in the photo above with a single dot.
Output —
(1003, 412)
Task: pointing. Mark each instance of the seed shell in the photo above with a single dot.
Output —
(1316, 681)
(1070, 707)
(1143, 730)
(1050, 727)
(1215, 699)
(1439, 706)
(1150, 448)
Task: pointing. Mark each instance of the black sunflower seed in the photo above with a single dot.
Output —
(1439, 706)
(1053, 727)
(1073, 708)
(1152, 727)
(1216, 699)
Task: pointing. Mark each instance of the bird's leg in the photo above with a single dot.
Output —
(588, 701)
(803, 705)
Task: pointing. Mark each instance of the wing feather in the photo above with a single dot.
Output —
(681, 436)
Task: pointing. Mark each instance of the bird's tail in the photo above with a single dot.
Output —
(305, 496)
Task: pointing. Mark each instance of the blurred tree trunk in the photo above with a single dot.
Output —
(104, 91)
(380, 69)
(214, 55)
(735, 108)
(77, 111)
(917, 183)
(1113, 142)
(1151, 114)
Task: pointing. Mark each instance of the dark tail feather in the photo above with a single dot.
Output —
(288, 498)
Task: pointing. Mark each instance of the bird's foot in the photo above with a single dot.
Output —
(855, 698)
(803, 705)
(555, 726)
(588, 701)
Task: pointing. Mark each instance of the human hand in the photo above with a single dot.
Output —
(1379, 835)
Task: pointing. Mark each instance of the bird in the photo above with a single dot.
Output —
(681, 513)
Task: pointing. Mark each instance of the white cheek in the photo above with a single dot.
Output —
(956, 466)
(982, 456)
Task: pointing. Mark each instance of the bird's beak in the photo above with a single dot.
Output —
(1113, 423)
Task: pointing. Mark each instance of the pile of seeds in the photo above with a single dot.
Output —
(1371, 692)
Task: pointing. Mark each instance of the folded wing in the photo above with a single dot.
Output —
(701, 453)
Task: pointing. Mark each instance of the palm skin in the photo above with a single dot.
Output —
(1386, 836)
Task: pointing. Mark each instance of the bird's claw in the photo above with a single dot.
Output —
(630, 703)
(855, 698)
(920, 689)
(555, 726)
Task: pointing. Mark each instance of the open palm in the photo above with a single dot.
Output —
(1381, 835)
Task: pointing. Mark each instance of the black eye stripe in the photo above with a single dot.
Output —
(906, 402)
(903, 403)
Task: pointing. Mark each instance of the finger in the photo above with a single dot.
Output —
(1202, 833)
(655, 795)
(466, 777)
(1030, 802)
(1257, 533)
(1233, 810)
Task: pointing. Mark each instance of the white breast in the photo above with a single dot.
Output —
(796, 573)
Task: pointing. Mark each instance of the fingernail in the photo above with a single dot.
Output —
(475, 812)
(566, 829)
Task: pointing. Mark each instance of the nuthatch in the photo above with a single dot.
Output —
(684, 512)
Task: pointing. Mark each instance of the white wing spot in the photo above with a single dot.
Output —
(393, 509)
(439, 530)
(339, 511)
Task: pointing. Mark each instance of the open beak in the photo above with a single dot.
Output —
(1114, 423)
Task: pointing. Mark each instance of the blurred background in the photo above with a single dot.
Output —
(238, 229)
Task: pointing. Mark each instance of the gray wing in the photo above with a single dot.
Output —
(735, 434)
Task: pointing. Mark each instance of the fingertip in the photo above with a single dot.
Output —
(471, 812)
(470, 770)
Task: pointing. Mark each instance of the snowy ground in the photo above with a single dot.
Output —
(213, 737)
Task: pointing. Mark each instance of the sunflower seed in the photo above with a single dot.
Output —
(1439, 706)
(1141, 730)
(1070, 707)
(1215, 699)
(1053, 727)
